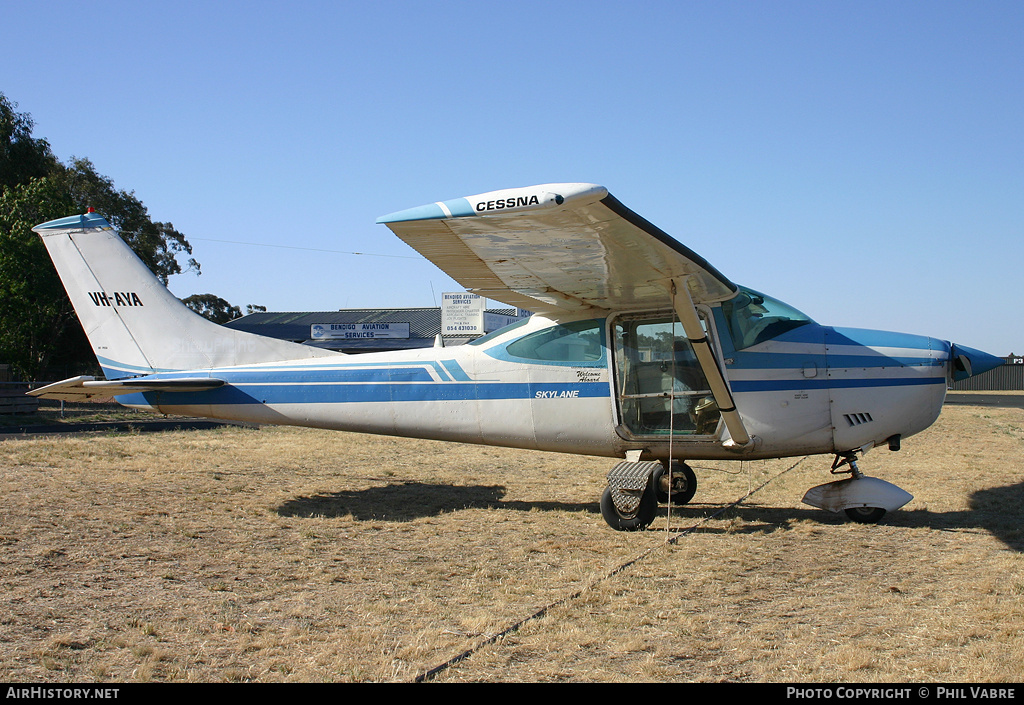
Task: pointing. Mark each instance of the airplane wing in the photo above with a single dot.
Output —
(556, 248)
(85, 388)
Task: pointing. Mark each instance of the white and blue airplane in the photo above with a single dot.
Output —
(637, 349)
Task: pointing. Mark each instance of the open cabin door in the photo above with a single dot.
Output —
(661, 388)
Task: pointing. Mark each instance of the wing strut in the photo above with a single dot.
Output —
(739, 440)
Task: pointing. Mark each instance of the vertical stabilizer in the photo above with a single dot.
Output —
(134, 324)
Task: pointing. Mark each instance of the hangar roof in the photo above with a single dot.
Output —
(424, 326)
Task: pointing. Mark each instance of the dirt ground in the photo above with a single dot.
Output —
(280, 554)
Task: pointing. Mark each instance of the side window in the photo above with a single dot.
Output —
(580, 341)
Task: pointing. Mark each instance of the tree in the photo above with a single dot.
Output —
(22, 157)
(37, 326)
(213, 307)
(156, 244)
(36, 317)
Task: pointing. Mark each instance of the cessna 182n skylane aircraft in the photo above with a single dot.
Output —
(638, 349)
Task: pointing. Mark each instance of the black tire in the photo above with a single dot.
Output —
(865, 515)
(684, 481)
(639, 520)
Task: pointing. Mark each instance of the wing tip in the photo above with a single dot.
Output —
(505, 201)
(455, 208)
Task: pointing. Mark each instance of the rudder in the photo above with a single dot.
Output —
(134, 324)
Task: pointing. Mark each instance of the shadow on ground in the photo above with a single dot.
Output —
(997, 510)
(413, 500)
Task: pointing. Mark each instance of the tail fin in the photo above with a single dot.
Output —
(134, 324)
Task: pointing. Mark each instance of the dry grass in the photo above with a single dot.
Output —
(297, 555)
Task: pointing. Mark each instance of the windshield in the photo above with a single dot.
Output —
(754, 318)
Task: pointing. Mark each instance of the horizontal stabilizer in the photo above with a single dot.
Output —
(86, 388)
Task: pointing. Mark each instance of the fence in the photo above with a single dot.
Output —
(13, 399)
(1008, 378)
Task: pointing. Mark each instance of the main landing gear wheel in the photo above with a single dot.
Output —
(865, 515)
(635, 489)
(637, 520)
(630, 501)
(683, 487)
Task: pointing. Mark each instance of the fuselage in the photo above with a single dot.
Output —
(604, 384)
(639, 350)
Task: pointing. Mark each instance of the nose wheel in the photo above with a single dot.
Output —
(863, 499)
(865, 515)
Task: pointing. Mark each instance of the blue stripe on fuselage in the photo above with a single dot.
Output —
(455, 370)
(863, 337)
(741, 386)
(785, 351)
(300, 376)
(416, 370)
(796, 360)
(274, 393)
(882, 339)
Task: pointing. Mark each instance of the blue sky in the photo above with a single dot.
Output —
(862, 161)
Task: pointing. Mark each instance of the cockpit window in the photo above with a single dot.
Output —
(580, 341)
(754, 318)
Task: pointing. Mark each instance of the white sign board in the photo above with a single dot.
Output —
(343, 331)
(462, 314)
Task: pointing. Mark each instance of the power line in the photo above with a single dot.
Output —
(308, 249)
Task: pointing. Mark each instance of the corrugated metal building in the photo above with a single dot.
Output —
(1009, 377)
(386, 329)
